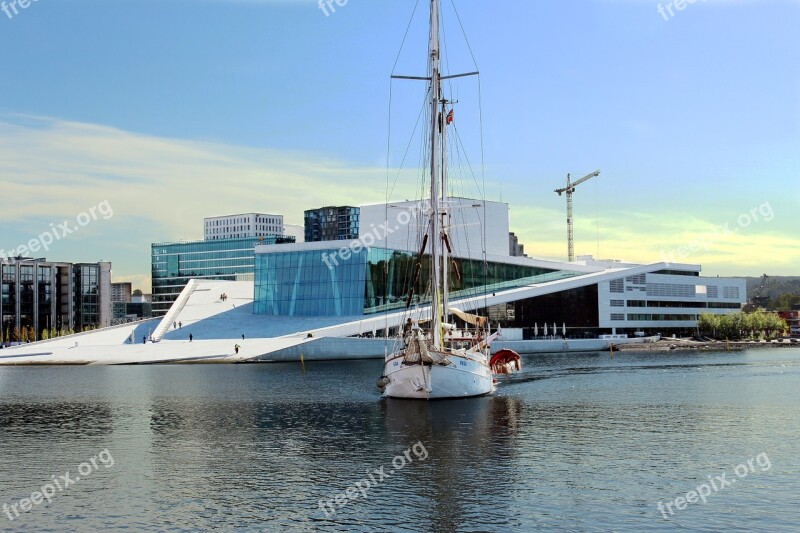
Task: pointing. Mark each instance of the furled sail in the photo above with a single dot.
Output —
(475, 320)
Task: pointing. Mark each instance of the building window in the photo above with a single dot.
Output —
(616, 285)
(617, 316)
(730, 292)
(617, 303)
(671, 289)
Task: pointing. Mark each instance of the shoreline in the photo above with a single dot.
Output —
(666, 345)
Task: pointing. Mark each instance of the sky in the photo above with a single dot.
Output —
(133, 120)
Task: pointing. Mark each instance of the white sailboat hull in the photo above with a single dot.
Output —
(462, 378)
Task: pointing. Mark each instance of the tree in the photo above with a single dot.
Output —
(784, 302)
(734, 326)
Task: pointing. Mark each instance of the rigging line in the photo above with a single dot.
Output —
(385, 275)
(465, 35)
(446, 53)
(597, 217)
(469, 165)
(402, 44)
(389, 192)
(483, 181)
(388, 151)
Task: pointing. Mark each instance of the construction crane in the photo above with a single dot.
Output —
(569, 189)
(759, 298)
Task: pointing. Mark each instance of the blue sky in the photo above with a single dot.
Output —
(173, 110)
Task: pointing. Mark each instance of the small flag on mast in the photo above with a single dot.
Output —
(450, 117)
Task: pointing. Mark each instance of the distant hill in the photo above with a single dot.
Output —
(782, 291)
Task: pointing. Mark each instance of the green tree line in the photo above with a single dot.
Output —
(784, 302)
(27, 334)
(736, 326)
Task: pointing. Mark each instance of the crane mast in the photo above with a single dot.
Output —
(569, 190)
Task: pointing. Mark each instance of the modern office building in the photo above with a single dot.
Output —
(121, 292)
(347, 298)
(243, 226)
(175, 263)
(331, 223)
(129, 305)
(130, 311)
(515, 249)
(43, 295)
(590, 297)
(370, 275)
(139, 297)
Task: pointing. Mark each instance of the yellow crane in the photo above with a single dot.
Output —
(570, 189)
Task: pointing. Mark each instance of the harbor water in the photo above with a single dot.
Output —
(578, 442)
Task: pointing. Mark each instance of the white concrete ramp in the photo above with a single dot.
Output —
(174, 311)
(206, 330)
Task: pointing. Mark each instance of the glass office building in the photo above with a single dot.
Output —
(331, 223)
(87, 296)
(175, 263)
(38, 295)
(320, 283)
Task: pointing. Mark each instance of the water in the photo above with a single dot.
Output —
(577, 442)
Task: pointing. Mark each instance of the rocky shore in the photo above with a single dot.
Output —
(668, 344)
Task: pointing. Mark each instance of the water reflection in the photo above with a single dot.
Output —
(472, 445)
(85, 419)
(583, 443)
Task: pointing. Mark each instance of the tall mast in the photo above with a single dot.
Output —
(435, 232)
(445, 213)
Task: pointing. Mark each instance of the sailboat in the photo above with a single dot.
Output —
(435, 359)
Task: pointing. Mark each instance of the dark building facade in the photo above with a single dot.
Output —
(515, 249)
(38, 295)
(332, 223)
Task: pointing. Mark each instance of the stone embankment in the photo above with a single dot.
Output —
(705, 345)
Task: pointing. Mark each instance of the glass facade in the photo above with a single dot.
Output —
(87, 296)
(26, 299)
(301, 284)
(37, 295)
(174, 264)
(44, 283)
(331, 223)
(8, 296)
(322, 283)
